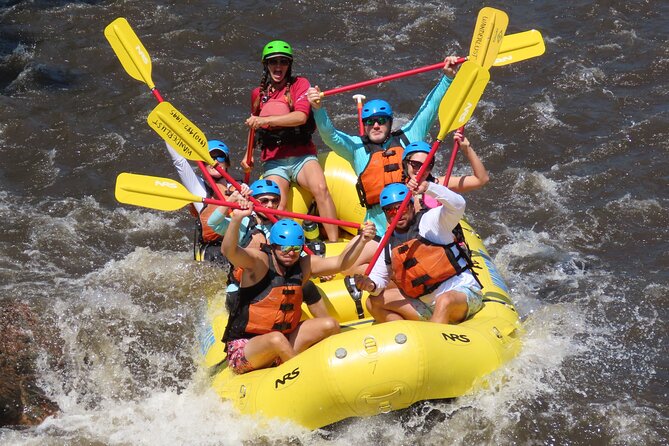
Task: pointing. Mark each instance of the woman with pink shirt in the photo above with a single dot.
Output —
(283, 122)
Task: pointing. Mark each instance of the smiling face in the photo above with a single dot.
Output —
(270, 201)
(278, 68)
(377, 128)
(406, 218)
(214, 173)
(415, 162)
(286, 256)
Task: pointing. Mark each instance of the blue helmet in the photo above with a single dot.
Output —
(377, 107)
(415, 147)
(286, 232)
(393, 193)
(262, 187)
(218, 146)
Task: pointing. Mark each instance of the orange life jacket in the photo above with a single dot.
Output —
(384, 167)
(420, 266)
(208, 235)
(273, 304)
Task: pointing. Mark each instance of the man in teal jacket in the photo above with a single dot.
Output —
(373, 156)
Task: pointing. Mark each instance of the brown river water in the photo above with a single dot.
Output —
(575, 213)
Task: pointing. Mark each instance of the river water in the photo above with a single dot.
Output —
(575, 214)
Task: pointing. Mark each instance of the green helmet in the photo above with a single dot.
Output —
(277, 48)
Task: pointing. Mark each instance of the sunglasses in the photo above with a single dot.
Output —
(289, 248)
(279, 61)
(268, 200)
(391, 211)
(416, 165)
(381, 120)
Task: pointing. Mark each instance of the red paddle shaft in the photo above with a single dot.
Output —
(402, 208)
(390, 77)
(200, 164)
(451, 162)
(281, 213)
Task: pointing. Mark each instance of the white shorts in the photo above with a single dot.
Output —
(464, 283)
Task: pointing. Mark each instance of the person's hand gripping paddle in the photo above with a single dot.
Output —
(455, 109)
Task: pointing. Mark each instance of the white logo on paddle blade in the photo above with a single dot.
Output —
(165, 184)
(142, 55)
(463, 115)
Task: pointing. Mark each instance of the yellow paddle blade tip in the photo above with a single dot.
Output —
(461, 98)
(130, 52)
(151, 192)
(489, 31)
(520, 46)
(180, 133)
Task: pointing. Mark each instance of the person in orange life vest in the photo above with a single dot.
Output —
(265, 328)
(253, 233)
(284, 124)
(207, 243)
(376, 157)
(432, 272)
(415, 155)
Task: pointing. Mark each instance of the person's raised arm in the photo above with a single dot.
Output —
(440, 220)
(238, 256)
(341, 143)
(187, 175)
(323, 266)
(468, 182)
(420, 125)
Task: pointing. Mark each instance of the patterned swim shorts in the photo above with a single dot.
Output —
(236, 359)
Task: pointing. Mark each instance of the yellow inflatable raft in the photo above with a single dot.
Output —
(373, 368)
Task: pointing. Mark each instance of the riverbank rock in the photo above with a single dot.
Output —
(22, 339)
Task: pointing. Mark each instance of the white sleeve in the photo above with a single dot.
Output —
(379, 274)
(437, 224)
(189, 178)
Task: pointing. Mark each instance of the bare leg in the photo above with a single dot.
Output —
(391, 306)
(450, 308)
(312, 331)
(262, 350)
(284, 186)
(312, 178)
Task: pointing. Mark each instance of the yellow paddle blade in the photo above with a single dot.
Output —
(180, 133)
(520, 46)
(488, 34)
(129, 50)
(159, 193)
(461, 97)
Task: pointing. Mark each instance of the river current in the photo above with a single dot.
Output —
(575, 213)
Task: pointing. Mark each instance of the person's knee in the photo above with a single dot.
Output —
(330, 326)
(444, 301)
(278, 342)
(372, 303)
(320, 191)
(451, 307)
